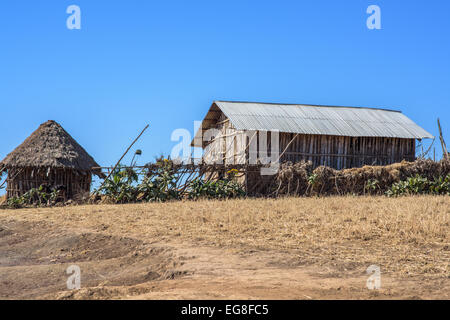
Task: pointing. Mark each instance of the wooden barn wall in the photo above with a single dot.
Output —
(227, 147)
(345, 152)
(21, 180)
(232, 147)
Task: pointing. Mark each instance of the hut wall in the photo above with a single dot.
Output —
(21, 180)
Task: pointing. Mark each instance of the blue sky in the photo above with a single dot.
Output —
(164, 62)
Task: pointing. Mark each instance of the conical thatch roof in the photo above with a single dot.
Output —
(50, 146)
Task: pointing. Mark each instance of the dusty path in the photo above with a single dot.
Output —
(223, 274)
(211, 273)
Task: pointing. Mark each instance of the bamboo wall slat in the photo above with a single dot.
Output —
(21, 180)
(345, 152)
(232, 147)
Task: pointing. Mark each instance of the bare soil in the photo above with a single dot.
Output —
(203, 250)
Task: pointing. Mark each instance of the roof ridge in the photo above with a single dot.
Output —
(307, 105)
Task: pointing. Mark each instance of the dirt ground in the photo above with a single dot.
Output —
(289, 248)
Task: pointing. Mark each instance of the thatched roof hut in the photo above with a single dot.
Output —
(50, 157)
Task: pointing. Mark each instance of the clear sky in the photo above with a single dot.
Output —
(164, 62)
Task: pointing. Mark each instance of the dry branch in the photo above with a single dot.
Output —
(123, 156)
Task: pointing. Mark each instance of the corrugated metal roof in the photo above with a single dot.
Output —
(322, 120)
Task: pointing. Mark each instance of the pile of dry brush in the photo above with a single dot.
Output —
(301, 179)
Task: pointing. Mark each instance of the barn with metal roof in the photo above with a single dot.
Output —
(338, 137)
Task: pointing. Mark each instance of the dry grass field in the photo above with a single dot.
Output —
(291, 248)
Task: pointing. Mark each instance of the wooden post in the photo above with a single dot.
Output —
(114, 168)
(287, 146)
(4, 181)
(444, 147)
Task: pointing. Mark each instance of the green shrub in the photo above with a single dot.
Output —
(312, 181)
(420, 185)
(441, 185)
(120, 187)
(34, 196)
(15, 202)
(371, 185)
(220, 189)
(160, 183)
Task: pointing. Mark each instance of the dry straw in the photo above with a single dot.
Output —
(301, 178)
